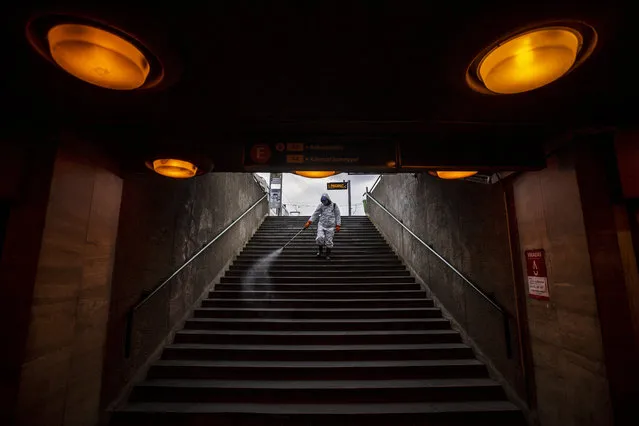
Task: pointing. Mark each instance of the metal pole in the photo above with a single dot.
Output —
(349, 197)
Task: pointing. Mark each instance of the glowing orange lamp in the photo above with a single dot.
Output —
(452, 174)
(98, 56)
(316, 175)
(530, 60)
(178, 169)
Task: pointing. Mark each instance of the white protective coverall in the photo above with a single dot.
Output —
(329, 217)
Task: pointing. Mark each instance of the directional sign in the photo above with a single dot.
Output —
(320, 155)
(260, 153)
(336, 185)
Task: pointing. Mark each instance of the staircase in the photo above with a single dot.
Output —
(351, 341)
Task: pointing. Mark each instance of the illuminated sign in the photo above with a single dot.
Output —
(336, 185)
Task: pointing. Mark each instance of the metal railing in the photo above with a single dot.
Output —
(148, 296)
(494, 304)
(374, 184)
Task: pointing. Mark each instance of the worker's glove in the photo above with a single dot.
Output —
(307, 224)
(337, 228)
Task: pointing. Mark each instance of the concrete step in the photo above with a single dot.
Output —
(275, 273)
(311, 251)
(309, 324)
(318, 279)
(307, 256)
(306, 341)
(319, 391)
(317, 313)
(317, 370)
(478, 413)
(312, 248)
(267, 296)
(295, 219)
(283, 300)
(320, 267)
(311, 234)
(334, 264)
(317, 352)
(355, 236)
(317, 337)
(310, 244)
(255, 284)
(313, 228)
(345, 227)
(302, 222)
(310, 239)
(273, 227)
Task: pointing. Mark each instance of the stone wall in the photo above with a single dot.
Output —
(466, 224)
(566, 340)
(26, 202)
(66, 315)
(162, 223)
(579, 349)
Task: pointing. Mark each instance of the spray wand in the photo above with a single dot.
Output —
(291, 240)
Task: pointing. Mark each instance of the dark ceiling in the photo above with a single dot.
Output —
(248, 69)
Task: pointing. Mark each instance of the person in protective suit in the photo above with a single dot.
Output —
(330, 221)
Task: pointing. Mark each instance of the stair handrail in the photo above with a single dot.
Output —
(374, 184)
(494, 304)
(148, 296)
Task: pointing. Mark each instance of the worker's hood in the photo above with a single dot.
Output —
(326, 200)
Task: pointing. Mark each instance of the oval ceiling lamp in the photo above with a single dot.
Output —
(100, 54)
(98, 57)
(316, 175)
(531, 59)
(452, 174)
(174, 168)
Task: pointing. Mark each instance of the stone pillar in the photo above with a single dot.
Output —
(65, 291)
(583, 341)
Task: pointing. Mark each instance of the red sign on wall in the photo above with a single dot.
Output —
(537, 274)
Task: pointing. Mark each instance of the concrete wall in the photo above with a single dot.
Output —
(67, 310)
(570, 373)
(26, 200)
(580, 348)
(162, 223)
(466, 224)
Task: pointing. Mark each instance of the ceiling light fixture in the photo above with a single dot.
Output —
(98, 57)
(452, 174)
(100, 54)
(531, 58)
(315, 175)
(173, 168)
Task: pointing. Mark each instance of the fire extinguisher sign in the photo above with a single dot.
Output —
(537, 274)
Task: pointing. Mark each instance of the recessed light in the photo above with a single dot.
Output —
(97, 56)
(452, 174)
(98, 53)
(530, 59)
(316, 175)
(173, 168)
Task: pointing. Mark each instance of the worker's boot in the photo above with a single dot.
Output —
(328, 253)
(320, 251)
